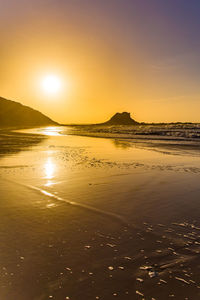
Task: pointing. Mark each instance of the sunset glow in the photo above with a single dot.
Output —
(99, 149)
(51, 84)
(120, 56)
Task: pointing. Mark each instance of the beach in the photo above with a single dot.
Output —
(105, 216)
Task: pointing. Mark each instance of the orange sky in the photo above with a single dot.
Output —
(111, 56)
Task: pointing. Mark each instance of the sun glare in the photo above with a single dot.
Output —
(49, 169)
(51, 84)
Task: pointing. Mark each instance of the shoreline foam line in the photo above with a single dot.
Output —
(80, 205)
(85, 206)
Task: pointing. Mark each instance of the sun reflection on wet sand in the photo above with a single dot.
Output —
(99, 198)
(51, 131)
(49, 169)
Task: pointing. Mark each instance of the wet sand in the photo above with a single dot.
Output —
(90, 218)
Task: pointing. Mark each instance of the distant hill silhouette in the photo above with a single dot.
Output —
(123, 118)
(15, 114)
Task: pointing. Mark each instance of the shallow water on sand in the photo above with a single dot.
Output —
(93, 218)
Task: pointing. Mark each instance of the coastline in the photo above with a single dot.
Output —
(163, 131)
(63, 200)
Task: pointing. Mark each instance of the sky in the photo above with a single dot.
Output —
(140, 56)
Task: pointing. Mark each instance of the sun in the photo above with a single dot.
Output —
(51, 84)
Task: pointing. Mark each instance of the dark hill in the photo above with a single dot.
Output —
(15, 114)
(123, 118)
